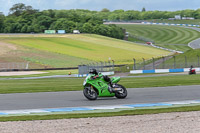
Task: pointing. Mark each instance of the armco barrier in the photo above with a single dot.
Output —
(189, 25)
(163, 70)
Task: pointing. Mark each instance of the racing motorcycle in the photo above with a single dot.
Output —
(192, 71)
(96, 86)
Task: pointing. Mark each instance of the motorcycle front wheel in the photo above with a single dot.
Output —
(90, 93)
(122, 93)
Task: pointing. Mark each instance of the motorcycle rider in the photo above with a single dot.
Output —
(105, 77)
(192, 70)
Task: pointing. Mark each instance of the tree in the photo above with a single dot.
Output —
(51, 13)
(187, 13)
(87, 28)
(19, 8)
(113, 16)
(44, 21)
(30, 10)
(63, 24)
(197, 14)
(105, 10)
(2, 18)
(146, 15)
(9, 25)
(143, 9)
(24, 29)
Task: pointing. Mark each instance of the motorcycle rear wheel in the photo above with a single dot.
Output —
(89, 93)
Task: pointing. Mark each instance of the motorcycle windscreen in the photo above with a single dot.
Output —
(115, 79)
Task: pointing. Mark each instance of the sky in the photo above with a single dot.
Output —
(98, 5)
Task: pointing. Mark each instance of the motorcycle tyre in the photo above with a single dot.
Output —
(192, 72)
(120, 96)
(88, 96)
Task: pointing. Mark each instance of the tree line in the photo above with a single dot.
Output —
(25, 19)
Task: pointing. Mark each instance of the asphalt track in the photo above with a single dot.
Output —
(195, 44)
(19, 101)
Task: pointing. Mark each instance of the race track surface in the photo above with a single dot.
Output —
(19, 101)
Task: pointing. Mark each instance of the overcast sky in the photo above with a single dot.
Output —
(164, 5)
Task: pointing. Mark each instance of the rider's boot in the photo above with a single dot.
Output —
(110, 87)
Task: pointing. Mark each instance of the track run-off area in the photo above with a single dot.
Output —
(22, 103)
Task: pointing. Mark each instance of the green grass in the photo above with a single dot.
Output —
(75, 84)
(51, 59)
(179, 47)
(53, 51)
(165, 36)
(105, 114)
(40, 85)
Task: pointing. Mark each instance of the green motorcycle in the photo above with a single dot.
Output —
(96, 86)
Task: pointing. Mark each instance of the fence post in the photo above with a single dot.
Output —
(185, 61)
(101, 66)
(174, 62)
(109, 66)
(27, 65)
(134, 64)
(8, 65)
(113, 65)
(153, 63)
(144, 63)
(13, 66)
(198, 60)
(163, 62)
(97, 66)
(104, 68)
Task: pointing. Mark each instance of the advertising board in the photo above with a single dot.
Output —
(50, 32)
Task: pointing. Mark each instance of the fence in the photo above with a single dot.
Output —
(170, 62)
(15, 65)
(99, 66)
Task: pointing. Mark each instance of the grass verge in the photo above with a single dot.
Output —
(75, 84)
(171, 37)
(105, 114)
(52, 51)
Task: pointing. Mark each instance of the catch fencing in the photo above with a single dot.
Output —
(170, 62)
(99, 66)
(13, 65)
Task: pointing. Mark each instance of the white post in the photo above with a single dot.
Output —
(27, 65)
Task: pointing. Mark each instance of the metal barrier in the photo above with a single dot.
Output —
(14, 65)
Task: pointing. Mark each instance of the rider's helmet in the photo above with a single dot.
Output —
(93, 71)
